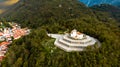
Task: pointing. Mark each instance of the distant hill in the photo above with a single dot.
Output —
(113, 11)
(98, 2)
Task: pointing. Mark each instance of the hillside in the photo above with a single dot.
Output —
(58, 16)
(48, 11)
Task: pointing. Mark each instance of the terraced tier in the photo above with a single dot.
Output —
(68, 44)
(65, 47)
(68, 38)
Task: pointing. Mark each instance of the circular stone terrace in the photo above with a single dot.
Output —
(74, 41)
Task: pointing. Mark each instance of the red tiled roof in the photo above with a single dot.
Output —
(18, 33)
(1, 58)
(16, 36)
(79, 33)
(4, 43)
(1, 33)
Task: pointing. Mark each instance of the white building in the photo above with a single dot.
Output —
(74, 41)
(76, 35)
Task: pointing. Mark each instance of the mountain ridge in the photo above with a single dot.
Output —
(112, 10)
(98, 2)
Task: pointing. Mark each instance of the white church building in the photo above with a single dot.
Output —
(74, 41)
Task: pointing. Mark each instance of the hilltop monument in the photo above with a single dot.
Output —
(73, 41)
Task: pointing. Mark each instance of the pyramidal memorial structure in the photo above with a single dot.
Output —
(74, 41)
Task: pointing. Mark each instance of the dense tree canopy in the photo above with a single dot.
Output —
(55, 16)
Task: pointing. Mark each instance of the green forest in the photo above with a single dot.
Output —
(58, 16)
